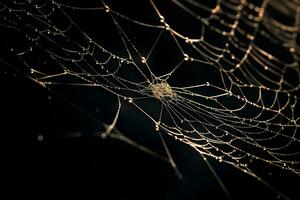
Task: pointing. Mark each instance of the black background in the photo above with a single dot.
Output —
(71, 162)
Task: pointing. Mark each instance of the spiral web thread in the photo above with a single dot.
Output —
(243, 111)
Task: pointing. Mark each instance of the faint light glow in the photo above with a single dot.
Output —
(40, 138)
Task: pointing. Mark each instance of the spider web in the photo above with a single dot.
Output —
(223, 77)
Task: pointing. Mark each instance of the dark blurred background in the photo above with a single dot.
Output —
(52, 149)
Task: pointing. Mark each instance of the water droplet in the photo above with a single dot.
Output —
(186, 57)
(266, 67)
(156, 127)
(270, 57)
(162, 19)
(144, 60)
(167, 26)
(103, 136)
(107, 9)
(292, 49)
